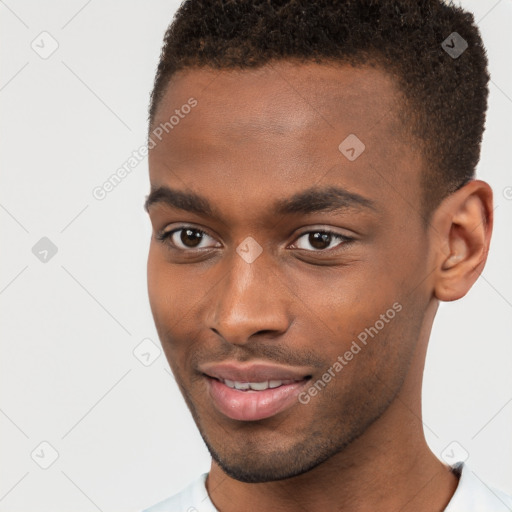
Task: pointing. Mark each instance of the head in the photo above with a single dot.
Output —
(313, 198)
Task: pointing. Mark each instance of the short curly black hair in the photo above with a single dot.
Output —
(446, 93)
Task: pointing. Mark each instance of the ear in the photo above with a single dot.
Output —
(461, 228)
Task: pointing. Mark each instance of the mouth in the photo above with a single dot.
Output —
(255, 392)
(257, 386)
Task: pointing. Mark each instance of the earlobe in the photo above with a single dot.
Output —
(463, 228)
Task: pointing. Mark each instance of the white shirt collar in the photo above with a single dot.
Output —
(471, 495)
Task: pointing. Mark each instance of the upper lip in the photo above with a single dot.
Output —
(253, 372)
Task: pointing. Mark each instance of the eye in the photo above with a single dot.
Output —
(189, 238)
(321, 240)
(185, 238)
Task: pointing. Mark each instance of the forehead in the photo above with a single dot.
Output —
(284, 95)
(283, 123)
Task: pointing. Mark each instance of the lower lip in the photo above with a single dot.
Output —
(253, 405)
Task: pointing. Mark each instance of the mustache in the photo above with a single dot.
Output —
(270, 353)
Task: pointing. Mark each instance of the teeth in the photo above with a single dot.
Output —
(258, 386)
(255, 386)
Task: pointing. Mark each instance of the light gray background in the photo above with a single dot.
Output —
(69, 376)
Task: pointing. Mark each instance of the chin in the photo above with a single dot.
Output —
(253, 465)
(263, 471)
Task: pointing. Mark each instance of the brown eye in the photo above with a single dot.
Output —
(185, 238)
(321, 240)
(191, 237)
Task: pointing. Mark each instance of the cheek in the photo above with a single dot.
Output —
(167, 299)
(168, 289)
(373, 359)
(360, 318)
(342, 302)
(173, 301)
(157, 284)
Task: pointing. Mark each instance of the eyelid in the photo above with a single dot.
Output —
(343, 239)
(165, 236)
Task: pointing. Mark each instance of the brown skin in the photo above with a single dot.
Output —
(257, 136)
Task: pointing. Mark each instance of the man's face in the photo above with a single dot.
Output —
(255, 140)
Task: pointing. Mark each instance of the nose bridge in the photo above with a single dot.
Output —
(249, 300)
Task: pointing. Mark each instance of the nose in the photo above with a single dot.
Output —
(251, 301)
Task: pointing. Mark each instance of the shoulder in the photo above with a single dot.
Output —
(193, 498)
(474, 495)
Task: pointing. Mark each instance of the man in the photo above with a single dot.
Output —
(312, 200)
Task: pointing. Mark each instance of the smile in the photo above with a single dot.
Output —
(253, 401)
(257, 386)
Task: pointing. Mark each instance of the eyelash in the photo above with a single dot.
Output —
(165, 238)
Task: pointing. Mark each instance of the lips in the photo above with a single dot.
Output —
(253, 391)
(255, 386)
(254, 372)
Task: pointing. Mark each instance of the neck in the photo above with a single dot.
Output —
(389, 468)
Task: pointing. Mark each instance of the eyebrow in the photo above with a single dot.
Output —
(312, 200)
